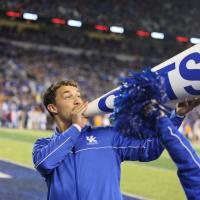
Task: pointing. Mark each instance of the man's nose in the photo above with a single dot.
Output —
(77, 101)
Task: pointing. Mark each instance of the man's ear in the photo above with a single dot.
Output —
(52, 108)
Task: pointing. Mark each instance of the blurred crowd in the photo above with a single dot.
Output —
(153, 51)
(26, 73)
(191, 125)
(149, 15)
(136, 15)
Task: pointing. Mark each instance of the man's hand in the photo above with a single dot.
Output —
(186, 106)
(153, 109)
(77, 115)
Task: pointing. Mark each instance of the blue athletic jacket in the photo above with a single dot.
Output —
(184, 156)
(86, 165)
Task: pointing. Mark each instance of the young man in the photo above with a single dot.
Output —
(80, 162)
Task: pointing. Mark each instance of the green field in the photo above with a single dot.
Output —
(153, 180)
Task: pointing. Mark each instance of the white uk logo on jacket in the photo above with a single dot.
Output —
(91, 140)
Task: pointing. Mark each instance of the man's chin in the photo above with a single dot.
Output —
(66, 120)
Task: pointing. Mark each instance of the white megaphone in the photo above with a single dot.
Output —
(182, 79)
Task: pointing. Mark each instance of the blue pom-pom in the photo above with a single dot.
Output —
(136, 92)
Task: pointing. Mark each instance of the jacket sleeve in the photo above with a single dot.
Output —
(184, 156)
(143, 150)
(49, 153)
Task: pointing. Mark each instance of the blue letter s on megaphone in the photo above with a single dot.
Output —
(185, 73)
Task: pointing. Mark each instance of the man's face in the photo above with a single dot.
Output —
(67, 98)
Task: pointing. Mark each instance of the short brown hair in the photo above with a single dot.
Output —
(50, 94)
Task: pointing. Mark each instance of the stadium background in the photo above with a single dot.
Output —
(96, 43)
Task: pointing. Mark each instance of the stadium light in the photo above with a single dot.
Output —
(142, 33)
(58, 21)
(195, 40)
(30, 16)
(74, 23)
(117, 29)
(182, 39)
(157, 35)
(101, 27)
(13, 14)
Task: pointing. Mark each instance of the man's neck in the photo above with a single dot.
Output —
(62, 126)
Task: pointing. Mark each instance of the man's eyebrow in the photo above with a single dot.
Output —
(67, 91)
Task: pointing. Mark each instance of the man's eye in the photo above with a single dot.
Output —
(66, 97)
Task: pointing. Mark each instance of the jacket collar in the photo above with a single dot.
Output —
(85, 128)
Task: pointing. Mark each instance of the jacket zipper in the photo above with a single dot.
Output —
(76, 180)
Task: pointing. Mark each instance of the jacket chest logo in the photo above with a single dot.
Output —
(91, 140)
